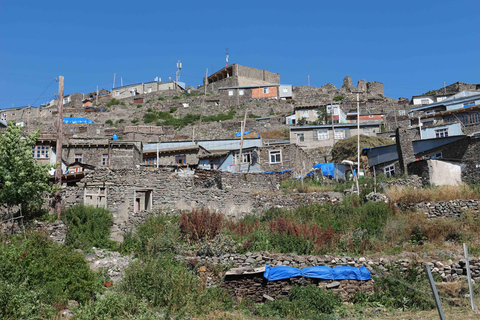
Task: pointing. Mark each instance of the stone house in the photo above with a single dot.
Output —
(433, 111)
(324, 136)
(311, 113)
(238, 95)
(103, 153)
(237, 75)
(128, 192)
(144, 88)
(184, 156)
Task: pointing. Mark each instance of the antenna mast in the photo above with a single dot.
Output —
(226, 65)
(179, 67)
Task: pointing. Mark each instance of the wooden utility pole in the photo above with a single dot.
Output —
(57, 199)
(358, 142)
(96, 100)
(242, 130)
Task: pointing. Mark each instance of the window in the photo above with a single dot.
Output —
(285, 90)
(181, 159)
(78, 157)
(441, 133)
(300, 137)
(323, 135)
(401, 112)
(425, 101)
(436, 156)
(389, 170)
(265, 90)
(230, 92)
(240, 92)
(41, 152)
(105, 160)
(133, 92)
(66, 100)
(304, 114)
(150, 161)
(246, 157)
(275, 156)
(117, 93)
(339, 134)
(149, 89)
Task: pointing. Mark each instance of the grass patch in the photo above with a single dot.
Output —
(408, 195)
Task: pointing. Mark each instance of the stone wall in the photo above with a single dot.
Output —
(448, 270)
(258, 289)
(234, 194)
(450, 209)
(404, 138)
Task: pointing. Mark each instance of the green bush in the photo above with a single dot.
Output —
(109, 121)
(173, 109)
(19, 302)
(114, 102)
(220, 117)
(157, 235)
(308, 302)
(53, 272)
(89, 227)
(167, 283)
(253, 116)
(338, 98)
(114, 305)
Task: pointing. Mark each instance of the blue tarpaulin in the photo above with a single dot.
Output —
(76, 120)
(325, 273)
(328, 169)
(239, 134)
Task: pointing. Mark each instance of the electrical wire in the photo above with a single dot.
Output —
(44, 91)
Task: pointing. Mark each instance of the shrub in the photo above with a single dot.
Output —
(218, 246)
(139, 105)
(173, 109)
(338, 98)
(253, 116)
(19, 302)
(158, 234)
(54, 272)
(89, 227)
(114, 102)
(200, 224)
(161, 98)
(114, 305)
(163, 281)
(308, 302)
(109, 121)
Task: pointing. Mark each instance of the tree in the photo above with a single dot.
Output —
(322, 115)
(23, 181)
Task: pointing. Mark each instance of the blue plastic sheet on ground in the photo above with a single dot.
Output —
(322, 272)
(328, 169)
(76, 120)
(310, 174)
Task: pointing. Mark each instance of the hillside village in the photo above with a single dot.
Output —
(235, 145)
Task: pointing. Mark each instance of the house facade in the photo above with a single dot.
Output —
(146, 87)
(238, 95)
(236, 75)
(325, 136)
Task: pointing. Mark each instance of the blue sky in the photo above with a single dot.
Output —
(409, 46)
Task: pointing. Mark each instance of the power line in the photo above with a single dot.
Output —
(44, 91)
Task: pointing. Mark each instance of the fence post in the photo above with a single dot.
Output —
(435, 293)
(469, 277)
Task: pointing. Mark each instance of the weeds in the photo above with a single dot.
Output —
(200, 224)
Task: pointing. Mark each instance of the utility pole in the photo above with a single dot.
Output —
(358, 142)
(309, 80)
(96, 100)
(333, 126)
(114, 80)
(242, 130)
(57, 198)
(206, 82)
